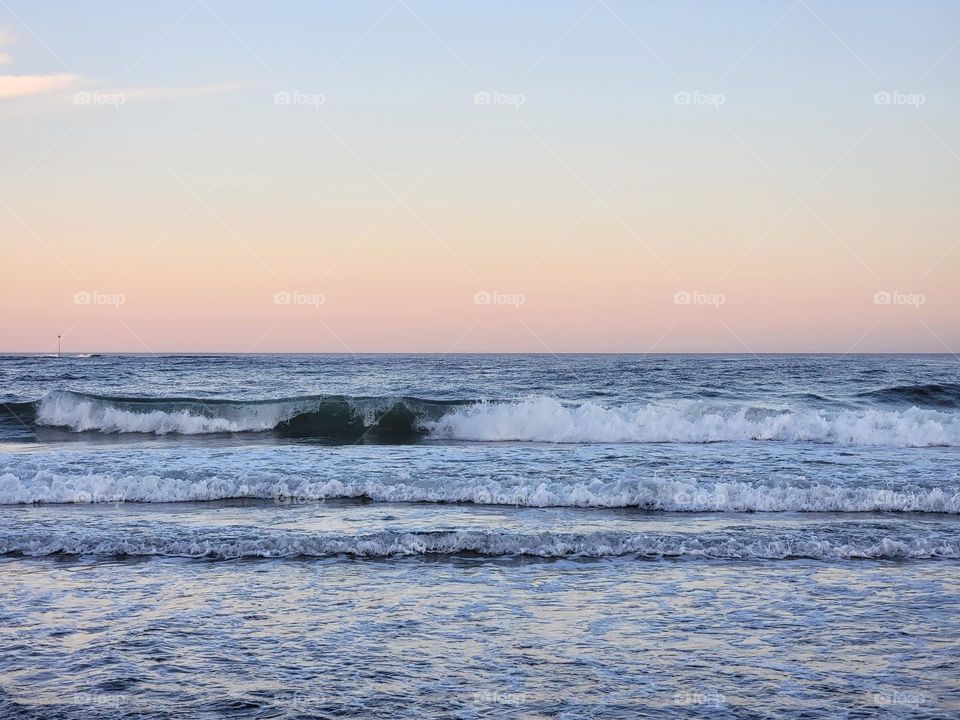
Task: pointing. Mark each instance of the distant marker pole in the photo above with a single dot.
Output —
(58, 346)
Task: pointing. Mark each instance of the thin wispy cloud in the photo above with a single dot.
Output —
(22, 84)
(19, 85)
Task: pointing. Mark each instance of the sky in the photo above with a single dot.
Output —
(413, 176)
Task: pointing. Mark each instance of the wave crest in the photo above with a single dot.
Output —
(936, 395)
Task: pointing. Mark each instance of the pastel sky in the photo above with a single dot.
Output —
(402, 175)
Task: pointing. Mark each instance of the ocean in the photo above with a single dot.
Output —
(480, 536)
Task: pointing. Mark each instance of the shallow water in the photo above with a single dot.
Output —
(474, 637)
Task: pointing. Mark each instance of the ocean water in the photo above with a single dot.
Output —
(480, 536)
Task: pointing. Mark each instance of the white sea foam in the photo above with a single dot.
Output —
(43, 486)
(495, 543)
(83, 412)
(548, 420)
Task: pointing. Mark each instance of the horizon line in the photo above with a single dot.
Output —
(50, 353)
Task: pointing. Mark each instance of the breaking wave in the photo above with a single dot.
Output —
(322, 416)
(653, 493)
(488, 543)
(534, 419)
(546, 419)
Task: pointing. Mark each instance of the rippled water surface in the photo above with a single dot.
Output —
(480, 536)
